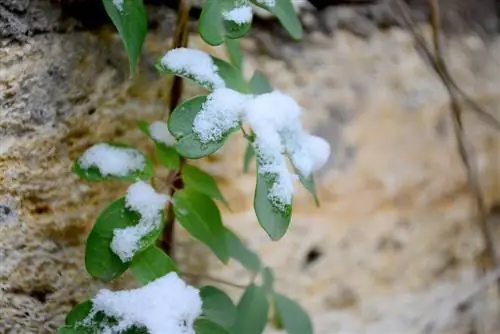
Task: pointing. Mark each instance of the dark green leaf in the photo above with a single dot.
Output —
(268, 280)
(93, 173)
(217, 306)
(235, 54)
(241, 253)
(151, 264)
(259, 84)
(71, 330)
(168, 156)
(287, 15)
(204, 326)
(132, 25)
(180, 125)
(144, 127)
(199, 215)
(214, 28)
(197, 179)
(294, 319)
(251, 311)
(78, 313)
(100, 261)
(274, 221)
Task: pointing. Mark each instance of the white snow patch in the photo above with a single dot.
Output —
(220, 113)
(112, 160)
(267, 3)
(165, 306)
(159, 131)
(239, 15)
(194, 63)
(143, 199)
(118, 5)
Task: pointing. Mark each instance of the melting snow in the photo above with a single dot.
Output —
(112, 160)
(239, 15)
(159, 132)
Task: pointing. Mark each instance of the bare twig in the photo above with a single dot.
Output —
(180, 40)
(439, 65)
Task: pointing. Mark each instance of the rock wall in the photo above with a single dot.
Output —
(392, 248)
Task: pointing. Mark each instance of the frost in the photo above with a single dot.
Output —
(219, 114)
(194, 63)
(159, 132)
(118, 5)
(112, 160)
(239, 15)
(267, 3)
(165, 306)
(144, 200)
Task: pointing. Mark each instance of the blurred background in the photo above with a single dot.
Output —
(395, 246)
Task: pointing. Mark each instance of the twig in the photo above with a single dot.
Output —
(214, 279)
(439, 65)
(180, 40)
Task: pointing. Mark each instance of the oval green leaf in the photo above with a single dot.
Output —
(197, 179)
(251, 312)
(231, 75)
(274, 221)
(233, 48)
(167, 155)
(93, 173)
(100, 261)
(78, 313)
(259, 83)
(131, 22)
(151, 264)
(286, 14)
(291, 315)
(205, 326)
(199, 215)
(218, 307)
(241, 253)
(310, 185)
(180, 125)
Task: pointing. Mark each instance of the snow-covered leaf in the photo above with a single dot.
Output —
(291, 315)
(166, 154)
(273, 220)
(309, 184)
(259, 83)
(180, 125)
(221, 19)
(284, 11)
(242, 253)
(151, 264)
(199, 215)
(113, 161)
(101, 262)
(217, 306)
(205, 326)
(197, 179)
(251, 312)
(129, 18)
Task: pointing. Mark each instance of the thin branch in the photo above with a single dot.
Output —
(439, 65)
(213, 279)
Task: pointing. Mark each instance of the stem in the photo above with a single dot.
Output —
(213, 279)
(180, 40)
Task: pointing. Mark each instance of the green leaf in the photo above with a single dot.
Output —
(231, 75)
(217, 306)
(214, 28)
(93, 173)
(249, 154)
(167, 155)
(287, 15)
(310, 185)
(100, 261)
(151, 264)
(294, 319)
(204, 326)
(71, 330)
(251, 311)
(241, 253)
(273, 220)
(180, 125)
(233, 48)
(195, 178)
(199, 215)
(78, 313)
(132, 25)
(268, 280)
(259, 83)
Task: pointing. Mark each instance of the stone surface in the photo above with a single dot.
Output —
(395, 236)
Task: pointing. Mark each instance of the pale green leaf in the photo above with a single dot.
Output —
(217, 306)
(292, 316)
(251, 312)
(197, 179)
(151, 264)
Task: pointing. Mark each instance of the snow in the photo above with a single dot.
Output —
(112, 160)
(167, 305)
(144, 200)
(159, 132)
(219, 114)
(267, 3)
(239, 15)
(118, 5)
(194, 63)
